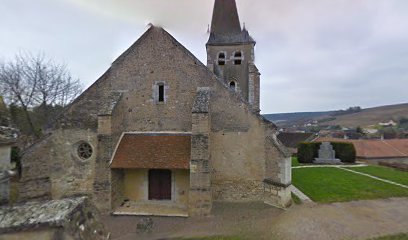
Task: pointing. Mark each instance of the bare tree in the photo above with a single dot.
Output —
(29, 81)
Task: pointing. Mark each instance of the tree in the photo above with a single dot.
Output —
(31, 81)
(360, 130)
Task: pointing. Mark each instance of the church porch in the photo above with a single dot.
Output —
(150, 175)
(151, 192)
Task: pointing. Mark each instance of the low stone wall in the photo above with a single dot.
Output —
(237, 190)
(269, 192)
(277, 194)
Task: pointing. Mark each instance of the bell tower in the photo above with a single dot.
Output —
(230, 53)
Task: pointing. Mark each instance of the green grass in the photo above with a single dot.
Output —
(335, 185)
(403, 236)
(295, 162)
(385, 173)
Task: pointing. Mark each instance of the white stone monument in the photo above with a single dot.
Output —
(327, 155)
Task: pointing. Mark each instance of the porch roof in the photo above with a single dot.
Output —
(152, 151)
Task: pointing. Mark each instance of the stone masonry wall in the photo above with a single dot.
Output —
(244, 152)
(200, 194)
(103, 182)
(56, 159)
(230, 72)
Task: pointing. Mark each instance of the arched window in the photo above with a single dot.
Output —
(238, 58)
(221, 58)
(232, 85)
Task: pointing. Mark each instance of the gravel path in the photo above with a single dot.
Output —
(350, 220)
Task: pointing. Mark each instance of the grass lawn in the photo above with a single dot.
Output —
(402, 236)
(385, 173)
(335, 185)
(295, 162)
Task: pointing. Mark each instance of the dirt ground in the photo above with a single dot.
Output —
(350, 220)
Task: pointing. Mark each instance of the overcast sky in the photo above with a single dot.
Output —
(312, 54)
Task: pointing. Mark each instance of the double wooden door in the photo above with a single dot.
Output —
(159, 184)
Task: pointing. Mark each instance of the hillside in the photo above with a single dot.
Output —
(293, 117)
(366, 117)
(371, 116)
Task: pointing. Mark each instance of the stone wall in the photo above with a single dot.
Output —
(200, 195)
(56, 159)
(5, 152)
(245, 152)
(37, 188)
(102, 186)
(231, 72)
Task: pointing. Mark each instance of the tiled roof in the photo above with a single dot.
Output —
(390, 148)
(292, 139)
(153, 151)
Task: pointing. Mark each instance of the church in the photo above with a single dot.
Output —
(160, 133)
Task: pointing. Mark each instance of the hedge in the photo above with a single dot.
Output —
(308, 151)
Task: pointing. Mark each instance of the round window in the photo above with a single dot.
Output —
(84, 151)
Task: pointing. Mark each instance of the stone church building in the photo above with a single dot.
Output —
(160, 133)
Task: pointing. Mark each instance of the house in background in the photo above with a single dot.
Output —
(160, 133)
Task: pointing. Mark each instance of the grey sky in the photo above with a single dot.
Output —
(313, 54)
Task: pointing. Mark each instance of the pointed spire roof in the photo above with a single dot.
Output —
(225, 19)
(225, 25)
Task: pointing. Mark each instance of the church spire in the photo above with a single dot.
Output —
(225, 19)
(225, 25)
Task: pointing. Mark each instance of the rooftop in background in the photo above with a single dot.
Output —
(292, 139)
(375, 149)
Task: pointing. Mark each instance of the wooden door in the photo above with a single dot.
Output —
(159, 184)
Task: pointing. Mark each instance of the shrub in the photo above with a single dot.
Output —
(345, 151)
(308, 151)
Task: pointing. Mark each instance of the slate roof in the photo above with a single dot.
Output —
(225, 25)
(292, 139)
(153, 151)
(376, 149)
(54, 213)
